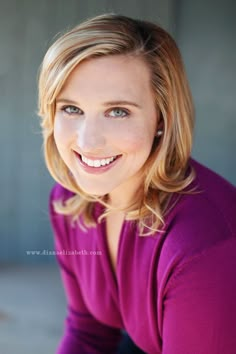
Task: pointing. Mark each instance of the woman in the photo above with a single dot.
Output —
(144, 234)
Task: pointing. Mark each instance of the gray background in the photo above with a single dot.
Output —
(205, 32)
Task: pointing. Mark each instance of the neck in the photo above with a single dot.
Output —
(127, 195)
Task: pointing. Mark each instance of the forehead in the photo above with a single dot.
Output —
(110, 75)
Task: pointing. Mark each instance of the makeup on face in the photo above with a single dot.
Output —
(105, 124)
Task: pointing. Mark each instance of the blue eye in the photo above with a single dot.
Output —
(71, 110)
(119, 112)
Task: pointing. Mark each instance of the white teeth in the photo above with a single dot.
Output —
(97, 163)
(90, 163)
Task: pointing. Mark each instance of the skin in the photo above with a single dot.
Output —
(86, 123)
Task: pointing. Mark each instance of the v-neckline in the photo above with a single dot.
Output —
(108, 267)
(113, 272)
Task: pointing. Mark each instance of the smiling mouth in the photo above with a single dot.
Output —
(98, 163)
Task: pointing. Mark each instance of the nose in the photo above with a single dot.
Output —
(90, 137)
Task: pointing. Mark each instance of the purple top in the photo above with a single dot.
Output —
(174, 293)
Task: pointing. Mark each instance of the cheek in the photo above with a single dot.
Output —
(63, 132)
(135, 141)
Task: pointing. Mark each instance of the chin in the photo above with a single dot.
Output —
(94, 191)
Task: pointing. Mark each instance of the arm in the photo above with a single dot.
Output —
(200, 304)
(83, 334)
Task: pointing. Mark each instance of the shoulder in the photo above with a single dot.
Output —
(199, 221)
(214, 186)
(215, 204)
(210, 209)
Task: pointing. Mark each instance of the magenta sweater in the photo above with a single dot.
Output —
(174, 292)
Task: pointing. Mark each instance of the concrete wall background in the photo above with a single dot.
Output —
(205, 33)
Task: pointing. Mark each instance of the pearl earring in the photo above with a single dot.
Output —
(159, 133)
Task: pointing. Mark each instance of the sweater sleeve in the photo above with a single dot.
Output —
(83, 334)
(199, 314)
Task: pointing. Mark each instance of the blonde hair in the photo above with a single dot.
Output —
(166, 167)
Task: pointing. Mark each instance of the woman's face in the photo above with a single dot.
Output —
(105, 124)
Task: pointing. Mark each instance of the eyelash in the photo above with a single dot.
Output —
(63, 109)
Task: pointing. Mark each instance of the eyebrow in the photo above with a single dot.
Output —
(106, 104)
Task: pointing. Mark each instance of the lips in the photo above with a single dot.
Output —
(106, 160)
(97, 169)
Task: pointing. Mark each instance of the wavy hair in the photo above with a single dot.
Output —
(166, 168)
